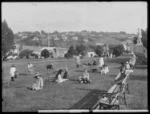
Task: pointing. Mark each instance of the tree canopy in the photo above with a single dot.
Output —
(7, 39)
(144, 38)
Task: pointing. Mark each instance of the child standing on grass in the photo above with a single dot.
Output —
(30, 68)
(12, 72)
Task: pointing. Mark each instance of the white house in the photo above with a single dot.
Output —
(56, 51)
(35, 39)
(99, 44)
(75, 38)
(91, 54)
(85, 40)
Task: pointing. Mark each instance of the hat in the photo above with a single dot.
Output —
(37, 74)
(127, 62)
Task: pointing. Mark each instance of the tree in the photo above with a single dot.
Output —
(25, 53)
(81, 49)
(7, 39)
(135, 40)
(144, 38)
(99, 50)
(118, 50)
(45, 53)
(72, 51)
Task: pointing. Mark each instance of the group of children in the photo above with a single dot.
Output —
(62, 74)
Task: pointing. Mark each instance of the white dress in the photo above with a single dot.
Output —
(101, 61)
(12, 71)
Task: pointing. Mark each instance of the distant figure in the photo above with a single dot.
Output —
(39, 82)
(60, 76)
(122, 67)
(12, 72)
(78, 62)
(110, 56)
(104, 69)
(65, 75)
(101, 62)
(85, 78)
(30, 68)
(50, 66)
(132, 61)
(127, 66)
(94, 61)
(121, 76)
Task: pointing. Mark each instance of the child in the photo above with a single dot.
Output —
(105, 69)
(30, 68)
(39, 82)
(85, 78)
(12, 72)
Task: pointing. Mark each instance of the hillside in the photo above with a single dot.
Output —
(67, 39)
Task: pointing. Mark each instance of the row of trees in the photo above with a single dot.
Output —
(7, 39)
(27, 53)
(116, 50)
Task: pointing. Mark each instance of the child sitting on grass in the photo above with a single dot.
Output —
(39, 82)
(104, 69)
(85, 78)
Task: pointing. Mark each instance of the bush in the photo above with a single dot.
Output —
(117, 50)
(25, 53)
(68, 55)
(81, 49)
(34, 55)
(45, 53)
(99, 50)
(141, 59)
(72, 51)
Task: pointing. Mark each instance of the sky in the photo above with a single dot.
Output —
(75, 16)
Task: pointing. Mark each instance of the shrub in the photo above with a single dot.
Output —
(72, 51)
(45, 53)
(141, 59)
(68, 55)
(117, 50)
(25, 53)
(99, 50)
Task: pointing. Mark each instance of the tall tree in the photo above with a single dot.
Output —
(144, 38)
(45, 53)
(7, 39)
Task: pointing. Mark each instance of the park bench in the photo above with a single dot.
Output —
(110, 99)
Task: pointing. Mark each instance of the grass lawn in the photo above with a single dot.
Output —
(17, 98)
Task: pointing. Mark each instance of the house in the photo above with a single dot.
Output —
(56, 51)
(23, 37)
(35, 39)
(90, 53)
(99, 44)
(75, 38)
(56, 38)
(85, 40)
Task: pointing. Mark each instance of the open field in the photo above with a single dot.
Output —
(68, 94)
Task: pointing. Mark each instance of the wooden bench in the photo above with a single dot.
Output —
(110, 99)
(125, 87)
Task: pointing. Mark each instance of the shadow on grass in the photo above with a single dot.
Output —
(138, 77)
(79, 70)
(113, 76)
(23, 74)
(76, 81)
(89, 100)
(117, 60)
